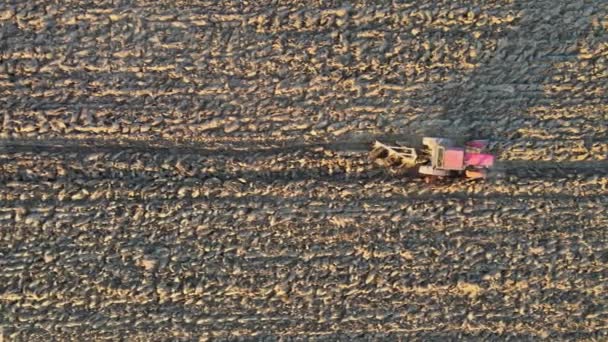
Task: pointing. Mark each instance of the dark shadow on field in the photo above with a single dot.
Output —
(191, 157)
(359, 143)
(513, 79)
(355, 145)
(159, 147)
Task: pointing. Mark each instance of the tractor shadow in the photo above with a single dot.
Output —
(495, 99)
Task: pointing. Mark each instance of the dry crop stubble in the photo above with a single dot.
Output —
(184, 170)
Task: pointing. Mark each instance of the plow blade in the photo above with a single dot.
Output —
(394, 156)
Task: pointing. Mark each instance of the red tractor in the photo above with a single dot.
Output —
(439, 157)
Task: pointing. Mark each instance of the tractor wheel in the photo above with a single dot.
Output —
(475, 173)
(429, 179)
(378, 153)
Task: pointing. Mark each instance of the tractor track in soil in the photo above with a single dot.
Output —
(353, 148)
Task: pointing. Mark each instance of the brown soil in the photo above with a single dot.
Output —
(180, 170)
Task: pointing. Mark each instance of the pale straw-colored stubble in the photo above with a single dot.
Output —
(267, 221)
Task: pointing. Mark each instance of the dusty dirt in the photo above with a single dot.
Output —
(183, 170)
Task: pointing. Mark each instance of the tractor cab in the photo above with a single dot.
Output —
(447, 158)
(450, 158)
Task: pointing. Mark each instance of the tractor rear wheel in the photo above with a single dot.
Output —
(378, 153)
(475, 173)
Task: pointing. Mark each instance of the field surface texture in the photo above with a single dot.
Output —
(195, 170)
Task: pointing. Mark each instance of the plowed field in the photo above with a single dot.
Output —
(188, 170)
